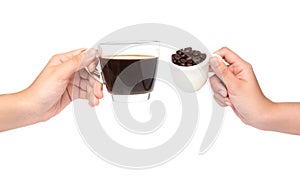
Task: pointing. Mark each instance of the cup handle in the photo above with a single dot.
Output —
(96, 74)
(210, 73)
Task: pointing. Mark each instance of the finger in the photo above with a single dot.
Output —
(93, 101)
(78, 62)
(69, 67)
(98, 90)
(83, 74)
(82, 94)
(92, 67)
(63, 57)
(83, 84)
(223, 72)
(80, 82)
(218, 86)
(78, 93)
(80, 75)
(220, 100)
(228, 102)
(97, 86)
(229, 56)
(90, 58)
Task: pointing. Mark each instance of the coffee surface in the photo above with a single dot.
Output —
(129, 74)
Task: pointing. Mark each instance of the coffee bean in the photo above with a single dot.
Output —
(196, 53)
(188, 50)
(183, 64)
(189, 61)
(203, 56)
(184, 56)
(176, 56)
(173, 56)
(182, 60)
(197, 60)
(180, 52)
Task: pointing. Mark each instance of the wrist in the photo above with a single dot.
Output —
(265, 115)
(27, 107)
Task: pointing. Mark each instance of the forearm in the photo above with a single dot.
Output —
(15, 112)
(282, 117)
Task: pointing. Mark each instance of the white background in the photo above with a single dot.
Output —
(52, 155)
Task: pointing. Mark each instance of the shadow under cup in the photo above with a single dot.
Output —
(129, 69)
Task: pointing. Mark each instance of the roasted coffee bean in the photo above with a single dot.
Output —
(180, 52)
(173, 56)
(176, 56)
(188, 50)
(197, 60)
(189, 61)
(182, 60)
(184, 56)
(203, 56)
(196, 53)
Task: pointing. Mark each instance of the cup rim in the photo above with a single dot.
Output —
(187, 68)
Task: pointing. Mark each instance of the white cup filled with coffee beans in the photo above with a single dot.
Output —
(190, 69)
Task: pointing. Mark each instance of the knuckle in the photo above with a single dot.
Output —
(225, 48)
(212, 80)
(55, 57)
(224, 72)
(77, 58)
(250, 67)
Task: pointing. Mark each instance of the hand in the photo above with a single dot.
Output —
(63, 80)
(235, 85)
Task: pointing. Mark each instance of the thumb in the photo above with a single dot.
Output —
(79, 61)
(223, 72)
(88, 59)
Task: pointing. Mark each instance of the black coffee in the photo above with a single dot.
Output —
(129, 74)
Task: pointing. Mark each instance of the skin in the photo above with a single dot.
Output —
(61, 81)
(235, 85)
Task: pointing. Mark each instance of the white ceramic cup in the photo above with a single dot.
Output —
(191, 78)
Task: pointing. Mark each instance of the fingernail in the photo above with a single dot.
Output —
(90, 54)
(83, 50)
